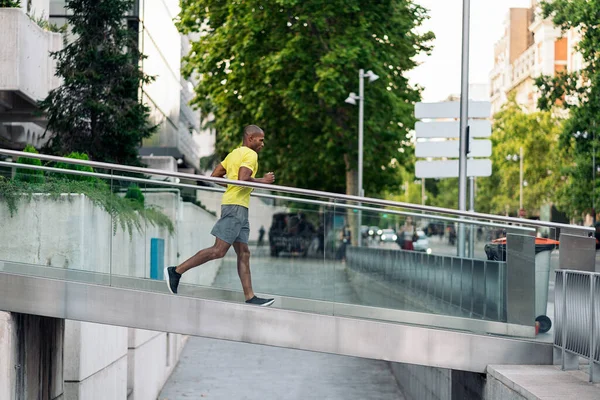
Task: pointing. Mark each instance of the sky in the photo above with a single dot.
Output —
(440, 72)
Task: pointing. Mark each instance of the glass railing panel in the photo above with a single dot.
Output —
(290, 259)
(520, 279)
(411, 272)
(56, 223)
(99, 231)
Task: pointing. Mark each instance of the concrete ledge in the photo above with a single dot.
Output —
(25, 63)
(543, 382)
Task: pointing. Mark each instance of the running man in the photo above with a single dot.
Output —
(233, 227)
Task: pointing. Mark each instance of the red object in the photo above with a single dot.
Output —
(537, 241)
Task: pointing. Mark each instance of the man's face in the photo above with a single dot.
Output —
(257, 142)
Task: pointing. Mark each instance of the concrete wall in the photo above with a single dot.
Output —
(75, 233)
(152, 356)
(423, 383)
(7, 356)
(110, 362)
(95, 361)
(25, 64)
(430, 383)
(193, 226)
(31, 362)
(496, 389)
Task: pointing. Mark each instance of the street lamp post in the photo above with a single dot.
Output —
(520, 179)
(352, 100)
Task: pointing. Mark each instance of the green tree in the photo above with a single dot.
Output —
(537, 133)
(446, 193)
(578, 92)
(29, 175)
(76, 167)
(288, 66)
(97, 109)
(10, 3)
(134, 193)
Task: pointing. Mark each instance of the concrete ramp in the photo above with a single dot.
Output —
(292, 323)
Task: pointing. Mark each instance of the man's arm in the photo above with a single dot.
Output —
(219, 172)
(245, 174)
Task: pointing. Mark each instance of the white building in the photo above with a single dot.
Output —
(27, 75)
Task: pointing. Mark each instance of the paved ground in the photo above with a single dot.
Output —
(291, 276)
(217, 369)
(545, 382)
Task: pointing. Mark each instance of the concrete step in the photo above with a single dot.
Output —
(538, 382)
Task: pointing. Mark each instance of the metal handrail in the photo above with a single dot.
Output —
(576, 313)
(292, 190)
(261, 195)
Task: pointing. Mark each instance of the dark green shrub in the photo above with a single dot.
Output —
(29, 175)
(135, 194)
(75, 167)
(10, 3)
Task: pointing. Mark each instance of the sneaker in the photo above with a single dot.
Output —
(260, 302)
(172, 278)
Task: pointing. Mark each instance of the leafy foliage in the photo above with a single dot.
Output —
(537, 133)
(445, 192)
(135, 194)
(76, 167)
(288, 65)
(578, 92)
(46, 25)
(10, 3)
(97, 110)
(29, 175)
(126, 213)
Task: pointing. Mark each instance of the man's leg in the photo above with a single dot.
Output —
(173, 274)
(218, 250)
(243, 267)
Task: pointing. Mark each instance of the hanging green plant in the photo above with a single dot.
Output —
(125, 213)
(10, 3)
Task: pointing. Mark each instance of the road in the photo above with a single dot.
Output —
(439, 246)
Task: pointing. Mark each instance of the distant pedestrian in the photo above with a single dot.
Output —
(346, 239)
(261, 235)
(233, 227)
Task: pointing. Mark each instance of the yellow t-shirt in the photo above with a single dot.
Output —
(240, 157)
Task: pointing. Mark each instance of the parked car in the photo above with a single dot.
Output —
(364, 231)
(421, 243)
(374, 231)
(291, 233)
(388, 235)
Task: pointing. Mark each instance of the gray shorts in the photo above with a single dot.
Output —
(233, 226)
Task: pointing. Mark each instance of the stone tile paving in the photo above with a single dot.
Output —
(223, 370)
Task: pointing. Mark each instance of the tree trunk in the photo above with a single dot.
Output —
(351, 189)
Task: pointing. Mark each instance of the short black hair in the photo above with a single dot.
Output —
(251, 130)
